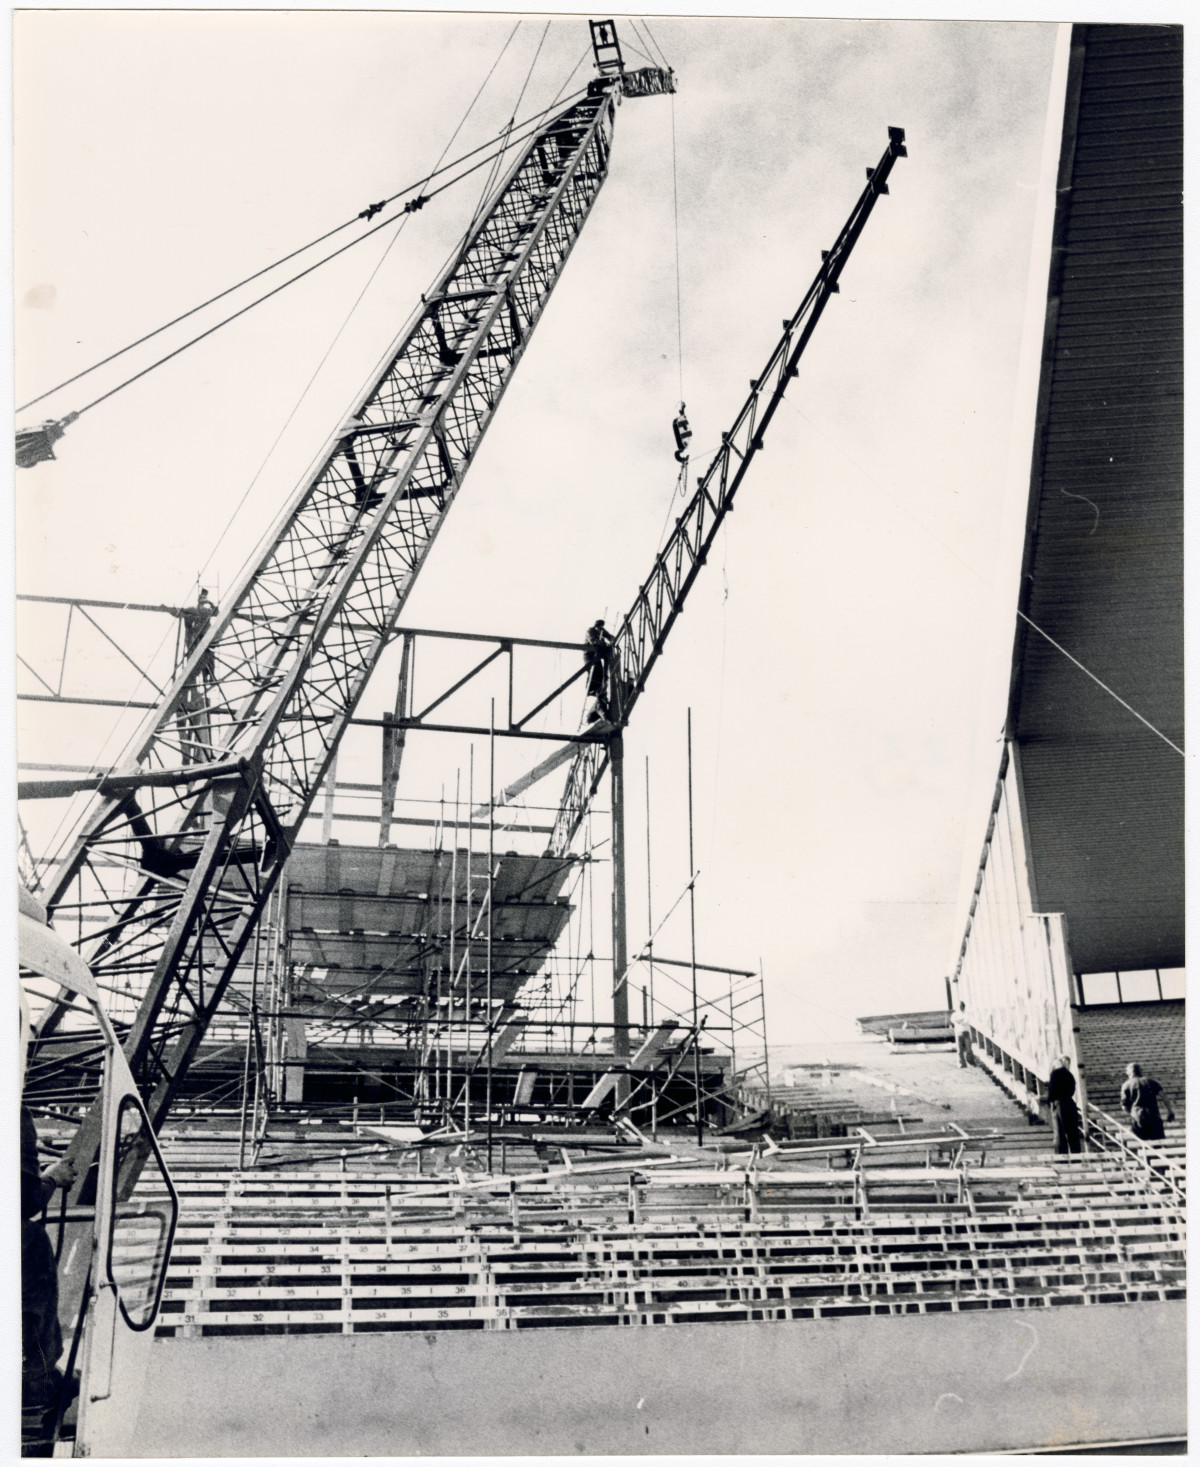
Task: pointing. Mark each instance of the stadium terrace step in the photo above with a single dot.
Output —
(916, 1224)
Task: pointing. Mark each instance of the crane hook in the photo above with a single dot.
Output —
(683, 434)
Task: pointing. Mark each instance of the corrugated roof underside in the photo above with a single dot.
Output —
(1104, 795)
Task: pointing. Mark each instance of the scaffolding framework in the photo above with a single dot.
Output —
(181, 863)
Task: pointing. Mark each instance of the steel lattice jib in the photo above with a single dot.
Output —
(165, 885)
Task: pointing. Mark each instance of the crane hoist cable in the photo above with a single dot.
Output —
(411, 206)
(678, 273)
(368, 214)
(681, 446)
(34, 445)
(654, 43)
(642, 635)
(437, 168)
(675, 205)
(403, 219)
(681, 427)
(505, 136)
(61, 829)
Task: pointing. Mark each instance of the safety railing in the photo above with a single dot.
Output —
(1163, 1167)
(767, 1234)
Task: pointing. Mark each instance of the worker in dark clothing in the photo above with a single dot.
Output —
(1140, 1096)
(196, 620)
(41, 1338)
(1064, 1113)
(194, 707)
(683, 434)
(597, 655)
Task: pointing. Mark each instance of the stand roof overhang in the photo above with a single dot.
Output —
(1103, 563)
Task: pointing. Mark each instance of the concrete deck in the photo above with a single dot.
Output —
(940, 1383)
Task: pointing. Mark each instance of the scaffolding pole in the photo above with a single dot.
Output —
(491, 880)
(620, 989)
(250, 1031)
(692, 905)
(649, 900)
(467, 962)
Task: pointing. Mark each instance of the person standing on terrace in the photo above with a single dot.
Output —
(1140, 1096)
(1064, 1113)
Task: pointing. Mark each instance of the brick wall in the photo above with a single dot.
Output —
(1114, 1035)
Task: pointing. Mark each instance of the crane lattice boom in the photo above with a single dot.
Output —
(164, 886)
(642, 635)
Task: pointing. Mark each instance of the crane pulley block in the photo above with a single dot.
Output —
(36, 445)
(649, 81)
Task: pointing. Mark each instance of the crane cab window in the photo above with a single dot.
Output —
(143, 1221)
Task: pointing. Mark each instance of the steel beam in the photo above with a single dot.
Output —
(642, 635)
(297, 639)
(393, 747)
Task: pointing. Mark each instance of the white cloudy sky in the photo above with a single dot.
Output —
(844, 653)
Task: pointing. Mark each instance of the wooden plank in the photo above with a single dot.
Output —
(642, 1060)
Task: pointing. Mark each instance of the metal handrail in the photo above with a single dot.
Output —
(1109, 1135)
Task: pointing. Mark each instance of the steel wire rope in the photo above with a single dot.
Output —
(630, 46)
(983, 579)
(408, 324)
(529, 73)
(675, 205)
(505, 136)
(484, 195)
(403, 220)
(520, 136)
(292, 280)
(283, 259)
(678, 276)
(681, 479)
(679, 490)
(570, 77)
(1129, 707)
(653, 42)
(493, 172)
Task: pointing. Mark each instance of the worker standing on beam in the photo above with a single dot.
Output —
(1064, 1112)
(597, 658)
(193, 709)
(196, 621)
